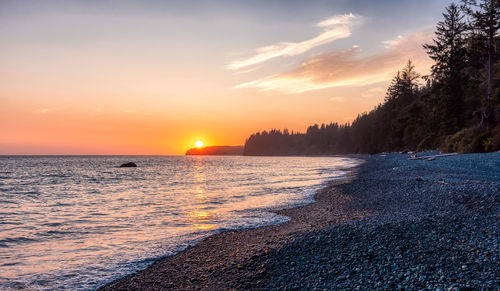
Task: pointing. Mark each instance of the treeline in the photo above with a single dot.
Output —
(216, 151)
(454, 109)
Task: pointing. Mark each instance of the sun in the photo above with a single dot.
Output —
(199, 144)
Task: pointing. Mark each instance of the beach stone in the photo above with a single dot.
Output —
(404, 230)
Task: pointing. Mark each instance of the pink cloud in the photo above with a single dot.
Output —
(349, 67)
(336, 27)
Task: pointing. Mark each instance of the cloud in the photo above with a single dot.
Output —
(349, 67)
(393, 42)
(335, 28)
(44, 110)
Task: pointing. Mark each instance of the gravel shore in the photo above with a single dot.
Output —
(394, 224)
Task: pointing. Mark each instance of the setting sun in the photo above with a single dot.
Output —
(199, 144)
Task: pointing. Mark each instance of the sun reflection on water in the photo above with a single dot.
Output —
(201, 218)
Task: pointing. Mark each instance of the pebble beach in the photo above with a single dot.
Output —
(394, 223)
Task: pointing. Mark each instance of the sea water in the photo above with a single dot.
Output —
(77, 222)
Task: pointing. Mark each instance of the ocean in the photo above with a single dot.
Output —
(78, 222)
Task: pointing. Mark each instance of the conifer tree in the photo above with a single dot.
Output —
(485, 23)
(448, 50)
(404, 85)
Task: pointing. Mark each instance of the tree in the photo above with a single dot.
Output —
(404, 85)
(402, 91)
(449, 51)
(485, 22)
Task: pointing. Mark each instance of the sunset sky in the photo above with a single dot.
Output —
(153, 77)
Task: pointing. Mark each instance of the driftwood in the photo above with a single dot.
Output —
(432, 157)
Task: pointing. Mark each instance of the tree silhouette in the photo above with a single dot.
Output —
(485, 23)
(441, 113)
(449, 52)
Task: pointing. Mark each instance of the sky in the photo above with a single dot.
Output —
(154, 77)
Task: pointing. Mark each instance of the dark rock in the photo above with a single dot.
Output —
(128, 165)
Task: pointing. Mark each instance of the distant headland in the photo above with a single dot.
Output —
(216, 151)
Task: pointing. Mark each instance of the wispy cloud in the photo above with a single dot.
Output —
(335, 28)
(44, 110)
(348, 67)
(393, 42)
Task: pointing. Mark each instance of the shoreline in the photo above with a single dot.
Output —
(386, 196)
(245, 244)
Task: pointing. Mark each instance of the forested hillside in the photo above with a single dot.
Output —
(216, 151)
(455, 109)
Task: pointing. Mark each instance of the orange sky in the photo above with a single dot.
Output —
(90, 78)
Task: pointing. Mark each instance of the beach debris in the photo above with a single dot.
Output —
(431, 157)
(128, 165)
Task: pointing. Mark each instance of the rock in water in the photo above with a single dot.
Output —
(128, 165)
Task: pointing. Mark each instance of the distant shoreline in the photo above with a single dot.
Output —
(389, 213)
(216, 151)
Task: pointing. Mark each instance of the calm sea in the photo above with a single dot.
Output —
(78, 222)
